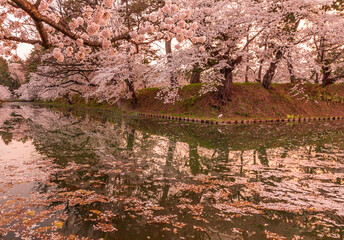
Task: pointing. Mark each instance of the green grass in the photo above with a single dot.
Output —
(246, 105)
(248, 83)
(148, 90)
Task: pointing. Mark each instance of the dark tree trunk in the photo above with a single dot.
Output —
(170, 152)
(263, 156)
(269, 75)
(195, 76)
(168, 48)
(165, 191)
(133, 99)
(326, 80)
(195, 165)
(225, 90)
(130, 84)
(131, 140)
(246, 74)
(316, 78)
(259, 79)
(291, 72)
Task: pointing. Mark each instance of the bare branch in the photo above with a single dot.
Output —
(21, 40)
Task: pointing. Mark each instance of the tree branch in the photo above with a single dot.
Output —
(21, 40)
(37, 17)
(37, 3)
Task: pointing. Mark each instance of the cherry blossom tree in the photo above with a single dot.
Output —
(112, 44)
(219, 45)
(327, 43)
(53, 79)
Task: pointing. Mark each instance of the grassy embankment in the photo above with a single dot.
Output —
(250, 101)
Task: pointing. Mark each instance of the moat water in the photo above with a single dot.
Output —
(87, 174)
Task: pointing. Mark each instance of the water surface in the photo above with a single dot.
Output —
(76, 174)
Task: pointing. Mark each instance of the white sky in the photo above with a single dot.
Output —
(24, 50)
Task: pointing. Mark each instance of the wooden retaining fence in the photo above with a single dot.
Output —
(233, 122)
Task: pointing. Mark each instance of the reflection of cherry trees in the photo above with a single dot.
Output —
(4, 93)
(137, 178)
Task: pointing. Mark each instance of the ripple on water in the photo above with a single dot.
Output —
(73, 174)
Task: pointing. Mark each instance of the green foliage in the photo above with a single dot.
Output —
(189, 102)
(6, 137)
(5, 76)
(330, 97)
(32, 62)
(148, 90)
(292, 116)
(193, 88)
(336, 5)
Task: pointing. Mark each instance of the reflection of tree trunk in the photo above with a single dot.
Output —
(168, 48)
(310, 151)
(285, 152)
(170, 152)
(131, 140)
(319, 149)
(164, 196)
(263, 156)
(223, 154)
(195, 165)
(255, 163)
(242, 162)
(83, 117)
(270, 73)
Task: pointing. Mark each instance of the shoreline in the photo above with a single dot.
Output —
(251, 104)
(189, 119)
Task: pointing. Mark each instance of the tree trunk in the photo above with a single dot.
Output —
(196, 74)
(195, 77)
(316, 81)
(130, 84)
(291, 72)
(246, 74)
(133, 99)
(269, 75)
(326, 80)
(225, 90)
(259, 79)
(168, 48)
(261, 65)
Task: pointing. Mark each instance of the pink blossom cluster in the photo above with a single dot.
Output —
(58, 54)
(108, 3)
